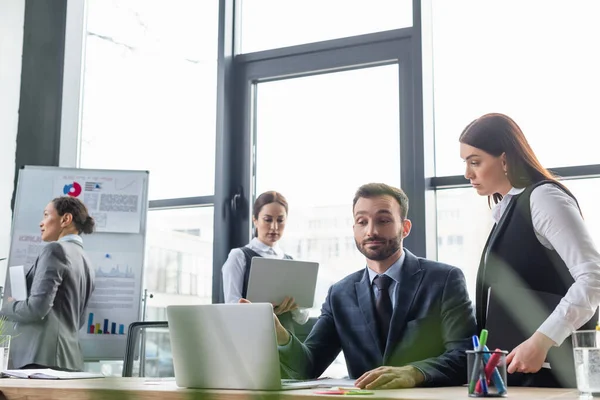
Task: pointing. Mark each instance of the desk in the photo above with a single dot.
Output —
(149, 389)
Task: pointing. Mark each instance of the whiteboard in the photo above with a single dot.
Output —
(116, 248)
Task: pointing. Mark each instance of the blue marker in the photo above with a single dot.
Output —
(483, 380)
(475, 342)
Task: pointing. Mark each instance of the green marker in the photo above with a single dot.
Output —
(358, 392)
(475, 374)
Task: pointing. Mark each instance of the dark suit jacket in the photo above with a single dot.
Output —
(431, 326)
(59, 286)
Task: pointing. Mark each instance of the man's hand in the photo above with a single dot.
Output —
(283, 336)
(288, 304)
(390, 378)
(529, 356)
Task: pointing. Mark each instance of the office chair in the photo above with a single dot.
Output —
(148, 342)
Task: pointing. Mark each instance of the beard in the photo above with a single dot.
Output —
(381, 252)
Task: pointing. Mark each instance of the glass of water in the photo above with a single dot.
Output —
(586, 351)
(4, 351)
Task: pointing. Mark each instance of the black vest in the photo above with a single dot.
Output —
(513, 258)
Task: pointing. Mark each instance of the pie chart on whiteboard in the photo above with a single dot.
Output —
(72, 189)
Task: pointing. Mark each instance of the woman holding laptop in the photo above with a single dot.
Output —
(539, 247)
(269, 215)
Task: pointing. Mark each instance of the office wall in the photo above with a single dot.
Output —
(12, 15)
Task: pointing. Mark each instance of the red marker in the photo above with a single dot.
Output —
(489, 368)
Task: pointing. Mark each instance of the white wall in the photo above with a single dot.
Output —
(12, 14)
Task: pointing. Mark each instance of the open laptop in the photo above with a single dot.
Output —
(227, 346)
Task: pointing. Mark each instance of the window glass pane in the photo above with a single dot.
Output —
(464, 221)
(333, 133)
(586, 192)
(504, 57)
(149, 94)
(333, 114)
(179, 262)
(463, 213)
(306, 21)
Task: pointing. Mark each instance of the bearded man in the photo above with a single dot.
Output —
(402, 321)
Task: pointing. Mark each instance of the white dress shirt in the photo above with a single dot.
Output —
(559, 226)
(71, 238)
(234, 268)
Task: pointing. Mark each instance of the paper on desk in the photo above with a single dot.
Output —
(49, 374)
(18, 286)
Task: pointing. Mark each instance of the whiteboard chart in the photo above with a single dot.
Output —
(118, 201)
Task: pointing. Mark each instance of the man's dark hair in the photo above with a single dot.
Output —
(371, 190)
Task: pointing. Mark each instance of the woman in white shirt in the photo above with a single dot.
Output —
(539, 243)
(269, 215)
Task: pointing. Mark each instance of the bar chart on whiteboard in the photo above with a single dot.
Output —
(106, 327)
(114, 302)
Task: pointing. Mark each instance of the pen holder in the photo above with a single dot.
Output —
(486, 373)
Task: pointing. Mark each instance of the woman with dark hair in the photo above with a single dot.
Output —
(59, 286)
(539, 246)
(269, 215)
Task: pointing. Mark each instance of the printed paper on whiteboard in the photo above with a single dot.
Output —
(114, 203)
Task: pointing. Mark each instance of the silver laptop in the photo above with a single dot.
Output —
(227, 346)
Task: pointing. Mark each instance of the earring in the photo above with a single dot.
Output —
(506, 173)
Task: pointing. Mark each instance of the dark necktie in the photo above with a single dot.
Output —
(383, 306)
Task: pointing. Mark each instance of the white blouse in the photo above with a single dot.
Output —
(559, 226)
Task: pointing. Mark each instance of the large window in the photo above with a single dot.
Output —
(149, 95)
(462, 213)
(179, 258)
(464, 221)
(541, 71)
(533, 60)
(269, 24)
(149, 103)
(333, 133)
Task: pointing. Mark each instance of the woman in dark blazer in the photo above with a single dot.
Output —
(59, 285)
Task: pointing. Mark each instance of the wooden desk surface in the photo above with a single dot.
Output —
(152, 389)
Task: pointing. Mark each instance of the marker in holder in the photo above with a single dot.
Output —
(487, 373)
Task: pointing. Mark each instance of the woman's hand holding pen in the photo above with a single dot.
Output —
(529, 356)
(288, 304)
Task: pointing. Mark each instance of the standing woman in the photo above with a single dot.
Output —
(59, 286)
(539, 243)
(269, 215)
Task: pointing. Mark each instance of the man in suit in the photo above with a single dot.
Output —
(403, 321)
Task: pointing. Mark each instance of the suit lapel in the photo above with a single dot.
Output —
(367, 306)
(31, 270)
(411, 275)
